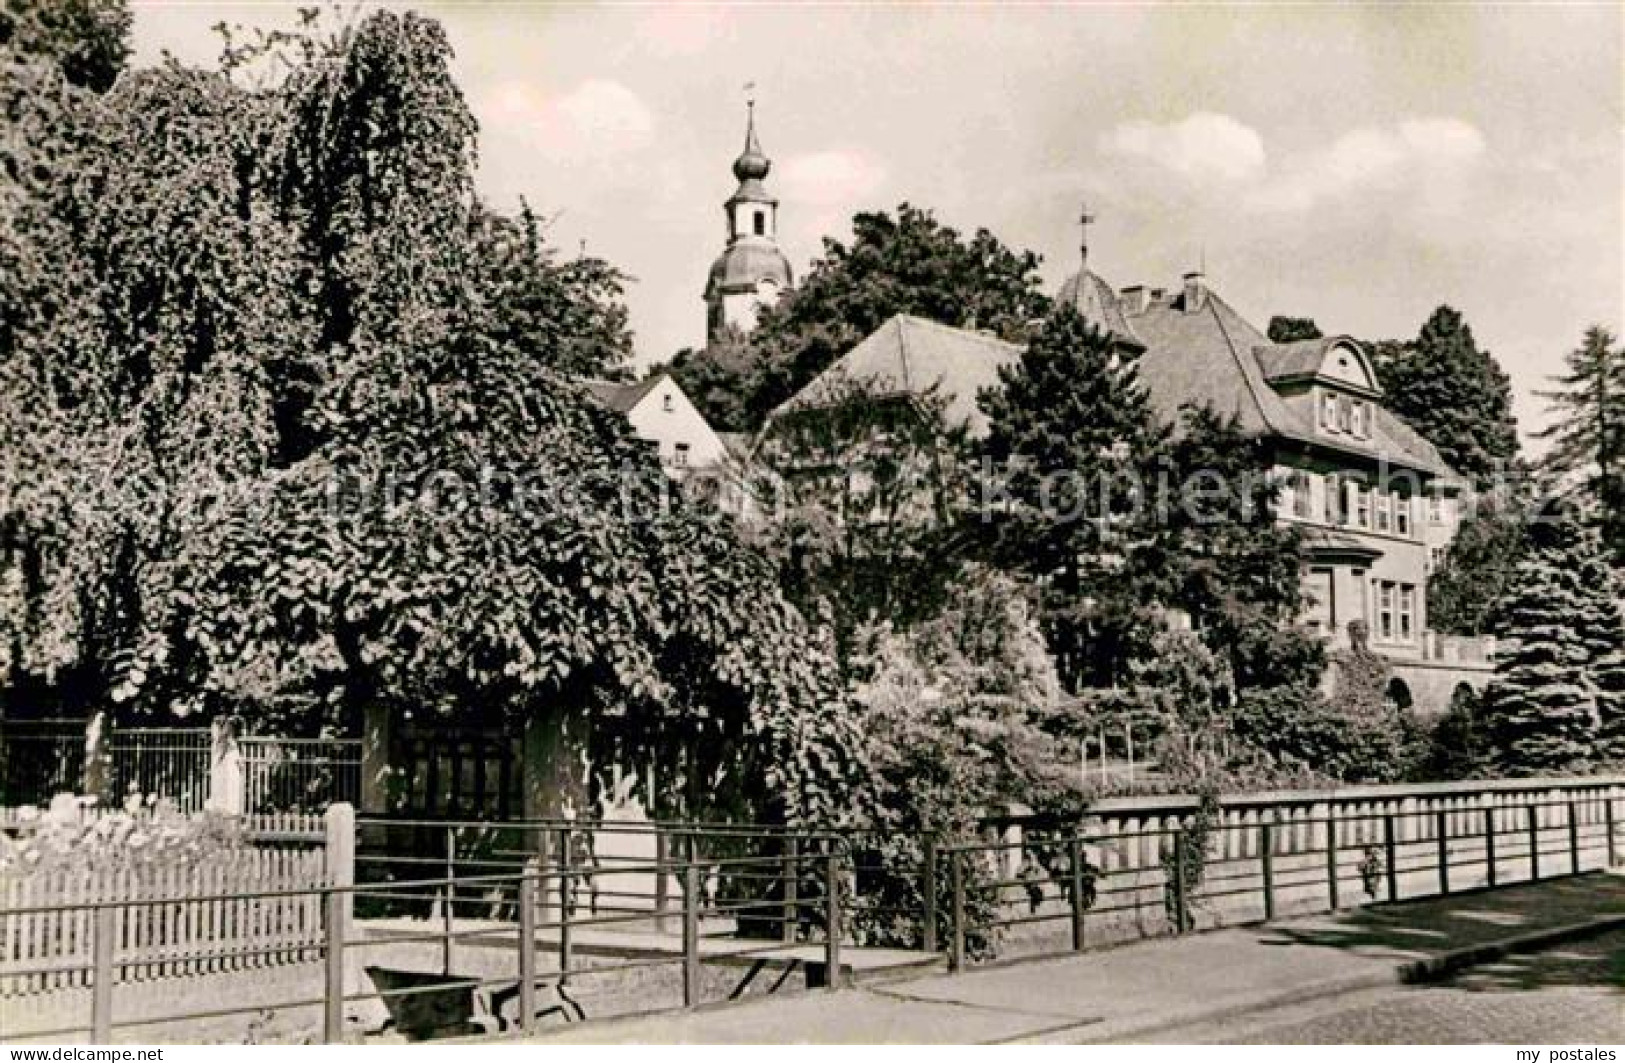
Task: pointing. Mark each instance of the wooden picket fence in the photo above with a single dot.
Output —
(218, 914)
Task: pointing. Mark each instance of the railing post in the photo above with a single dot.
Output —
(1532, 815)
(1266, 856)
(792, 890)
(832, 921)
(527, 948)
(333, 988)
(101, 1001)
(956, 874)
(1331, 859)
(1074, 861)
(1441, 826)
(1489, 845)
(448, 919)
(691, 933)
(1179, 880)
(566, 902)
(1574, 838)
(1390, 855)
(662, 874)
(1608, 823)
(929, 930)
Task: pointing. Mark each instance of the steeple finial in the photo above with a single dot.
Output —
(1085, 219)
(752, 162)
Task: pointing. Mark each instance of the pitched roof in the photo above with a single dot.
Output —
(622, 397)
(913, 356)
(1097, 303)
(1208, 356)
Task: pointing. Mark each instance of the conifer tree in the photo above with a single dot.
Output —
(1540, 708)
(1453, 393)
(1071, 444)
(1588, 439)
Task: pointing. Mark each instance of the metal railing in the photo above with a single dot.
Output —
(1229, 873)
(552, 946)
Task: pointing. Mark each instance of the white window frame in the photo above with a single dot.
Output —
(1362, 505)
(1402, 515)
(679, 455)
(1407, 611)
(1328, 411)
(1386, 591)
(1383, 510)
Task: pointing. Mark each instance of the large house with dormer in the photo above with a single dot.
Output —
(1374, 499)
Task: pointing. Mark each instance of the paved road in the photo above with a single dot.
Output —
(1574, 994)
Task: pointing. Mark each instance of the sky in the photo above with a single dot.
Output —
(1357, 164)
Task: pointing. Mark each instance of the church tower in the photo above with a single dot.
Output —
(751, 272)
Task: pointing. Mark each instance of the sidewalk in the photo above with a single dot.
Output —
(1137, 989)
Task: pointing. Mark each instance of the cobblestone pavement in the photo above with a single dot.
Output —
(1574, 994)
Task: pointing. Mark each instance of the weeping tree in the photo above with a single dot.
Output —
(285, 449)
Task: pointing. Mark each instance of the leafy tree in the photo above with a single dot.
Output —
(910, 263)
(1540, 708)
(717, 379)
(276, 464)
(963, 718)
(1588, 438)
(1478, 566)
(1071, 441)
(1456, 395)
(87, 40)
(870, 498)
(569, 313)
(1290, 329)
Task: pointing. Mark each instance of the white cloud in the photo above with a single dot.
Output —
(597, 118)
(1202, 147)
(829, 178)
(1421, 155)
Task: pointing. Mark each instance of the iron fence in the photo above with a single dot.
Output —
(1229, 873)
(548, 949)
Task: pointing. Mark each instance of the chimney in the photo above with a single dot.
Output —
(1134, 299)
(1195, 291)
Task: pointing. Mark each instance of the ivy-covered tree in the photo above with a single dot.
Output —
(281, 457)
(1541, 709)
(908, 263)
(88, 41)
(1588, 437)
(1455, 394)
(1071, 447)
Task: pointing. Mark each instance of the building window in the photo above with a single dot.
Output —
(1402, 514)
(1385, 609)
(1336, 512)
(1407, 610)
(1362, 506)
(1328, 411)
(761, 223)
(679, 455)
(667, 403)
(1322, 600)
(1435, 509)
(1301, 500)
(1345, 414)
(1384, 504)
(1357, 419)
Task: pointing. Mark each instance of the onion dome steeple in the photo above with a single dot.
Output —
(752, 272)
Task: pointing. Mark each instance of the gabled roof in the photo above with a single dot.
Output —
(913, 356)
(622, 397)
